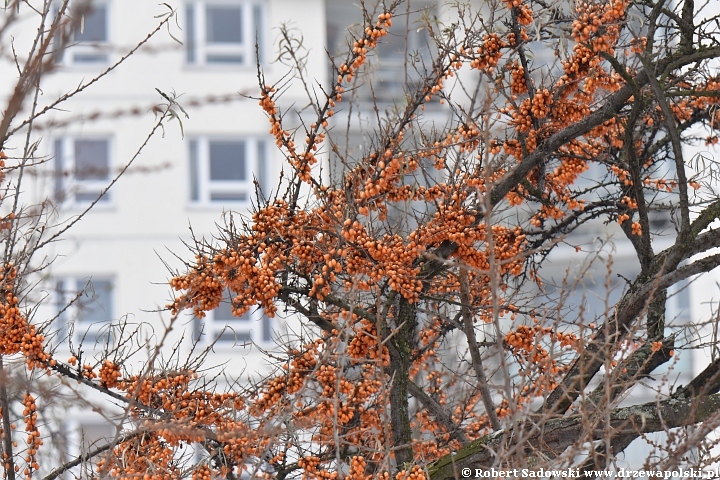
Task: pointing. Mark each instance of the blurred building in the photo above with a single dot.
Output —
(115, 261)
(112, 267)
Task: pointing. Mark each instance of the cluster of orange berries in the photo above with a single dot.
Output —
(110, 374)
(467, 137)
(622, 174)
(389, 170)
(310, 464)
(521, 118)
(240, 441)
(301, 365)
(541, 103)
(518, 84)
(638, 45)
(19, 335)
(430, 450)
(173, 394)
(489, 54)
(593, 16)
(33, 440)
(204, 290)
(567, 172)
(434, 89)
(357, 469)
(415, 473)
(570, 111)
(580, 64)
(524, 343)
(369, 41)
(524, 14)
(202, 472)
(88, 372)
(6, 222)
(365, 344)
(631, 203)
(660, 184)
(135, 457)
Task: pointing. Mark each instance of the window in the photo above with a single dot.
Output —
(83, 432)
(221, 326)
(387, 63)
(94, 434)
(89, 43)
(586, 293)
(223, 171)
(393, 52)
(223, 31)
(90, 310)
(82, 169)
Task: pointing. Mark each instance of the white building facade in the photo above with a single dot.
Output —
(194, 170)
(180, 183)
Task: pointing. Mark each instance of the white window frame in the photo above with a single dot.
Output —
(202, 188)
(72, 427)
(67, 187)
(199, 49)
(74, 434)
(388, 69)
(65, 289)
(76, 48)
(253, 327)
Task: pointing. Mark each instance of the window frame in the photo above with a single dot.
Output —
(389, 79)
(386, 63)
(199, 51)
(252, 328)
(67, 186)
(66, 54)
(65, 290)
(202, 187)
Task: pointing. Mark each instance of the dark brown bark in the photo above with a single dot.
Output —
(556, 435)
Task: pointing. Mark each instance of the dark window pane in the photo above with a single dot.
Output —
(91, 160)
(261, 172)
(266, 329)
(87, 197)
(60, 295)
(227, 161)
(89, 58)
(93, 435)
(57, 40)
(223, 313)
(234, 337)
(228, 197)
(225, 58)
(97, 338)
(194, 172)
(93, 28)
(224, 24)
(190, 28)
(59, 172)
(258, 23)
(95, 306)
